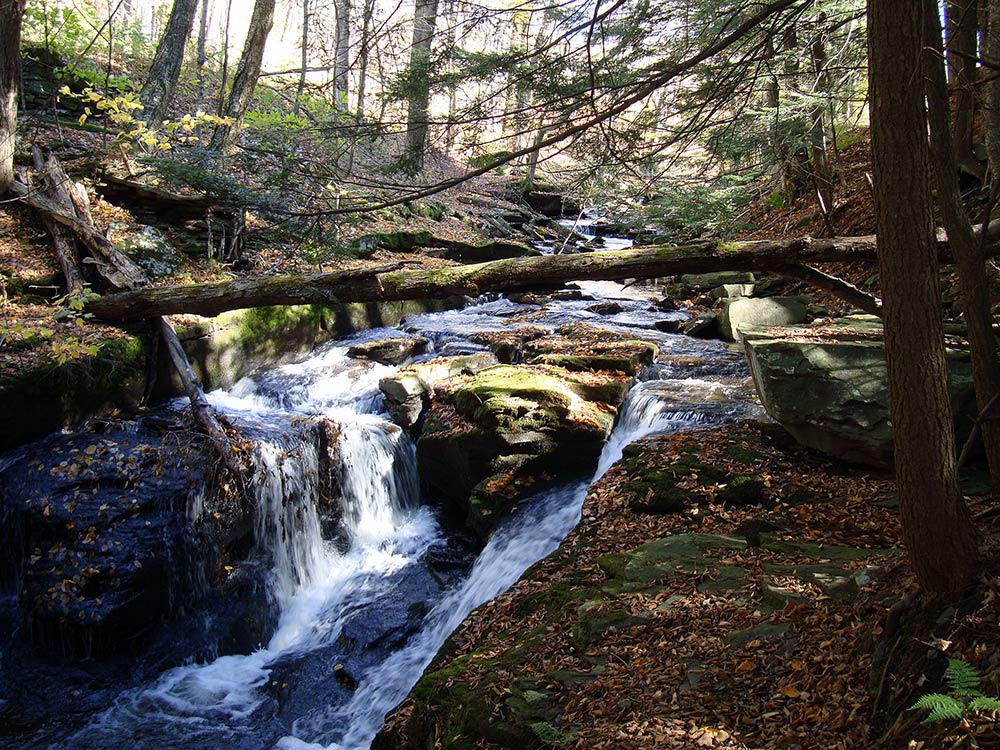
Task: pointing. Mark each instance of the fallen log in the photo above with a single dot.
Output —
(507, 275)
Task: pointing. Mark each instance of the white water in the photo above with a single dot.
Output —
(318, 585)
(543, 524)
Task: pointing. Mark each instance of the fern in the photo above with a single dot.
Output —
(941, 707)
(962, 677)
(964, 699)
(983, 704)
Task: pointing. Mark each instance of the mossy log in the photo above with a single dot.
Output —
(375, 285)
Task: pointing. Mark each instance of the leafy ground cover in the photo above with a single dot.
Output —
(764, 621)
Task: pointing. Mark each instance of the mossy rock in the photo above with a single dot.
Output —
(401, 241)
(691, 553)
(42, 400)
(742, 490)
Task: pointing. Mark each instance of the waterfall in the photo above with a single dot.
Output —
(543, 523)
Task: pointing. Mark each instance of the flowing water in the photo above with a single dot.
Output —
(364, 604)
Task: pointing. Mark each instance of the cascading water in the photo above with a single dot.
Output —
(366, 597)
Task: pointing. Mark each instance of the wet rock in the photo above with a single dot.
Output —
(828, 387)
(490, 436)
(764, 312)
(103, 524)
(578, 347)
(408, 391)
(112, 532)
(391, 351)
(703, 326)
(148, 247)
(605, 308)
(668, 326)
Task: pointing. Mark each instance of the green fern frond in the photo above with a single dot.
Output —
(961, 676)
(941, 707)
(983, 705)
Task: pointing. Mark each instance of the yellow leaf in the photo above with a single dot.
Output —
(83, 119)
(798, 664)
(746, 666)
(790, 692)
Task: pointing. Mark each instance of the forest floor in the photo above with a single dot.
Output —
(720, 626)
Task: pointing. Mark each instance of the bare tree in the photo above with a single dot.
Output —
(418, 99)
(165, 70)
(247, 73)
(11, 13)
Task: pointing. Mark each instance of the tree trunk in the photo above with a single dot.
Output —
(937, 530)
(342, 53)
(962, 24)
(202, 58)
(11, 13)
(247, 73)
(381, 285)
(969, 257)
(305, 57)
(822, 174)
(165, 70)
(991, 108)
(424, 22)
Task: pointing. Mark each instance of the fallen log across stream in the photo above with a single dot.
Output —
(794, 258)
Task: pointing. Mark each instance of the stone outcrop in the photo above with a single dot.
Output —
(111, 533)
(407, 392)
(765, 311)
(492, 436)
(828, 386)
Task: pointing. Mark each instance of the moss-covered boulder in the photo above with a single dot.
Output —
(493, 436)
(400, 241)
(150, 248)
(407, 392)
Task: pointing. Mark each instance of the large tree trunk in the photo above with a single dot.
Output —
(247, 73)
(11, 13)
(787, 257)
(967, 249)
(424, 23)
(165, 70)
(937, 530)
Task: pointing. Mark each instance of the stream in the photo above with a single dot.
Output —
(361, 602)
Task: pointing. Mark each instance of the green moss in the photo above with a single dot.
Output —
(745, 456)
(742, 490)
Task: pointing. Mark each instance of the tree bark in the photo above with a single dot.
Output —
(969, 256)
(305, 57)
(991, 98)
(962, 27)
(247, 73)
(424, 22)
(11, 13)
(937, 530)
(342, 53)
(165, 70)
(382, 285)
